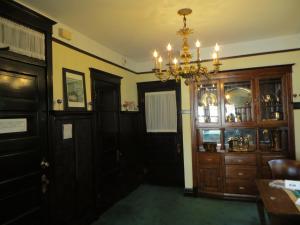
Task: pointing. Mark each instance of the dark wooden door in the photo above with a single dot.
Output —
(106, 101)
(23, 142)
(163, 155)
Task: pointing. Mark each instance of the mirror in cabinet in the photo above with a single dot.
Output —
(209, 140)
(238, 102)
(240, 139)
(208, 111)
(273, 139)
(271, 107)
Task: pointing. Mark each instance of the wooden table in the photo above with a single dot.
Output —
(280, 208)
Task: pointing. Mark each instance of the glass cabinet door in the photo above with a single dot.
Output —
(238, 102)
(271, 107)
(208, 109)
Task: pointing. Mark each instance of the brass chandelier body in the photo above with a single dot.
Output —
(192, 72)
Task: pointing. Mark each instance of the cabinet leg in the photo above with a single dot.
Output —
(274, 220)
(261, 211)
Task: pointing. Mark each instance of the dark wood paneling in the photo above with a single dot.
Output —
(131, 140)
(72, 180)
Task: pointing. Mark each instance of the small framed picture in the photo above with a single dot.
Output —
(74, 90)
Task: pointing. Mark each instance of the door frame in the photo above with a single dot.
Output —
(114, 80)
(23, 15)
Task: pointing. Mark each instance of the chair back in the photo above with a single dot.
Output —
(285, 169)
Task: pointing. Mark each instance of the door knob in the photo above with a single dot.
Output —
(44, 164)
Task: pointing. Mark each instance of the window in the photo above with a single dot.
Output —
(161, 111)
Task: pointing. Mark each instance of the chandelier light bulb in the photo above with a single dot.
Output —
(169, 47)
(155, 54)
(175, 61)
(160, 59)
(217, 47)
(214, 55)
(198, 44)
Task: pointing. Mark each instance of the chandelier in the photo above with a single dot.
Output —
(192, 72)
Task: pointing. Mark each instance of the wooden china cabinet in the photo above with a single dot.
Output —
(241, 120)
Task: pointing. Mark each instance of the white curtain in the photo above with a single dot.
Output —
(161, 111)
(21, 39)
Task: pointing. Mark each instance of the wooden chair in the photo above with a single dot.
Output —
(285, 169)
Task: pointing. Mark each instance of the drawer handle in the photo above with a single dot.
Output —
(209, 159)
(242, 188)
(240, 174)
(239, 160)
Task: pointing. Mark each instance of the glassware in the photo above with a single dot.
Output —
(271, 99)
(238, 102)
(211, 139)
(208, 109)
(240, 139)
(273, 139)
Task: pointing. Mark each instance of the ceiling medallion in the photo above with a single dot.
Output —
(192, 72)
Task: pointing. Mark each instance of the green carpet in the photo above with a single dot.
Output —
(152, 205)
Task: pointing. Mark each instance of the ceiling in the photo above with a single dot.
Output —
(134, 28)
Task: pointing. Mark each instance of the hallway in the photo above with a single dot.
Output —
(153, 205)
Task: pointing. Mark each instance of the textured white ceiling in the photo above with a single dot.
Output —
(134, 28)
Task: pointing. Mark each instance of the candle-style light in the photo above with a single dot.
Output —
(169, 49)
(160, 63)
(175, 61)
(155, 55)
(198, 44)
(215, 56)
(217, 47)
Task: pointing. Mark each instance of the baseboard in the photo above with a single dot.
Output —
(190, 192)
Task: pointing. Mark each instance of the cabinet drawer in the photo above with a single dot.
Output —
(241, 172)
(209, 159)
(235, 186)
(266, 158)
(244, 159)
(209, 179)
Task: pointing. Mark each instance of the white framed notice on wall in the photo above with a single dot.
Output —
(13, 125)
(67, 131)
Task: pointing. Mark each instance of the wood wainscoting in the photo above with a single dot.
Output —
(72, 181)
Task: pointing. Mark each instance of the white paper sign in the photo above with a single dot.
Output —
(67, 131)
(292, 184)
(13, 125)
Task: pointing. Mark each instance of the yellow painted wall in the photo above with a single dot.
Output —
(229, 64)
(71, 59)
